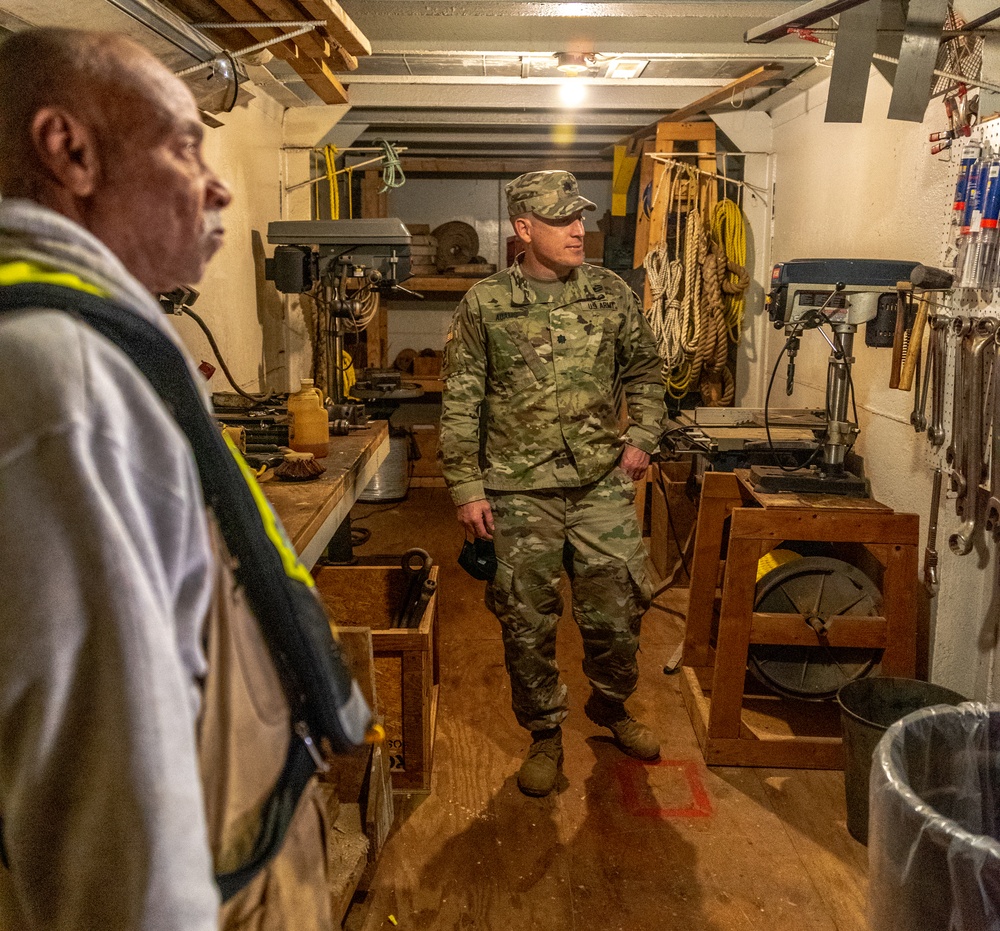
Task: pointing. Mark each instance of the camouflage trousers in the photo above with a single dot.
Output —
(591, 532)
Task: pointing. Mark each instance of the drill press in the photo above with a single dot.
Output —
(839, 294)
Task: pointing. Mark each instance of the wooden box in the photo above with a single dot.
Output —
(427, 366)
(672, 516)
(428, 439)
(593, 247)
(406, 660)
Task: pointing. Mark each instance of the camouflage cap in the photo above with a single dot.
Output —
(551, 195)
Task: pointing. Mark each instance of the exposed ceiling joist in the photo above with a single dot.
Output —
(801, 17)
(683, 114)
(314, 55)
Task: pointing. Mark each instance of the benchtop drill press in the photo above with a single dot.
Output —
(839, 294)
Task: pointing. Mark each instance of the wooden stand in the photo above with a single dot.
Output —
(407, 672)
(734, 726)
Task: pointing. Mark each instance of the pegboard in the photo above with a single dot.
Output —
(967, 302)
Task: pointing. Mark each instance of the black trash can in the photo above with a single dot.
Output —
(867, 707)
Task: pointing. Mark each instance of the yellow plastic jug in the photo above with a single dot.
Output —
(308, 421)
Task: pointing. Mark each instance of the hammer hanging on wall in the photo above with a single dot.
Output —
(910, 324)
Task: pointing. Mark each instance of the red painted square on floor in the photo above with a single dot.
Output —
(663, 789)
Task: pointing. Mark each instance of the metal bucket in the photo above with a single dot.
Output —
(392, 480)
(868, 707)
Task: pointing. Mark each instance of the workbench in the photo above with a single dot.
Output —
(312, 511)
(736, 527)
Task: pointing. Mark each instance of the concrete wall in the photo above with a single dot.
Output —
(873, 191)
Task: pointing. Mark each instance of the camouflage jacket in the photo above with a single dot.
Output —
(543, 381)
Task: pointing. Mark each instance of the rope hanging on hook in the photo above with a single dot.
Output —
(392, 171)
(697, 278)
(729, 230)
(330, 155)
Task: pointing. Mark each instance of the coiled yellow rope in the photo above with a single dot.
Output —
(330, 154)
(697, 288)
(729, 231)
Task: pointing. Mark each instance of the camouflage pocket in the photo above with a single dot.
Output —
(640, 577)
(498, 591)
(510, 369)
(451, 364)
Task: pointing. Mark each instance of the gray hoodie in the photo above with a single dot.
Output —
(105, 579)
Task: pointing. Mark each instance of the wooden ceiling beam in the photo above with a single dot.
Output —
(340, 26)
(243, 11)
(208, 11)
(318, 77)
(307, 54)
(505, 166)
(312, 43)
(684, 114)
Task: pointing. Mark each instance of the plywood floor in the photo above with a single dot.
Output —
(621, 845)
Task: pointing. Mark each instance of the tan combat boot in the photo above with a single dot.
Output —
(540, 768)
(631, 736)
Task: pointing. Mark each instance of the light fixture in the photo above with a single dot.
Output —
(572, 93)
(625, 68)
(572, 62)
(215, 83)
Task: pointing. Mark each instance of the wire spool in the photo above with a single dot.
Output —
(457, 244)
(818, 588)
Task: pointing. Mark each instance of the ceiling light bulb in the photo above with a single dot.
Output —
(572, 92)
(571, 62)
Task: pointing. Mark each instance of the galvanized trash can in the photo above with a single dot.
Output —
(392, 480)
(867, 707)
(934, 848)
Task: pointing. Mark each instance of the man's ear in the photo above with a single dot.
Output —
(522, 227)
(66, 147)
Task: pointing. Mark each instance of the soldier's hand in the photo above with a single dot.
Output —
(477, 518)
(634, 462)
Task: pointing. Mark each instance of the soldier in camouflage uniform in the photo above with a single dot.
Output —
(538, 458)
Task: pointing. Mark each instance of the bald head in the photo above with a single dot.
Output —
(94, 127)
(97, 77)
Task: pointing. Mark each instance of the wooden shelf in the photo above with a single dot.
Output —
(440, 283)
(430, 383)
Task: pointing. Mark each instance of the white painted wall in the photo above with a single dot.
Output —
(244, 312)
(872, 190)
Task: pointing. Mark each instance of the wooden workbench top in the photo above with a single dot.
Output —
(791, 499)
(311, 511)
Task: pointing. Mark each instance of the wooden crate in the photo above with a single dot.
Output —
(672, 516)
(428, 437)
(406, 661)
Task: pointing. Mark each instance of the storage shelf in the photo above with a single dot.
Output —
(430, 383)
(439, 283)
